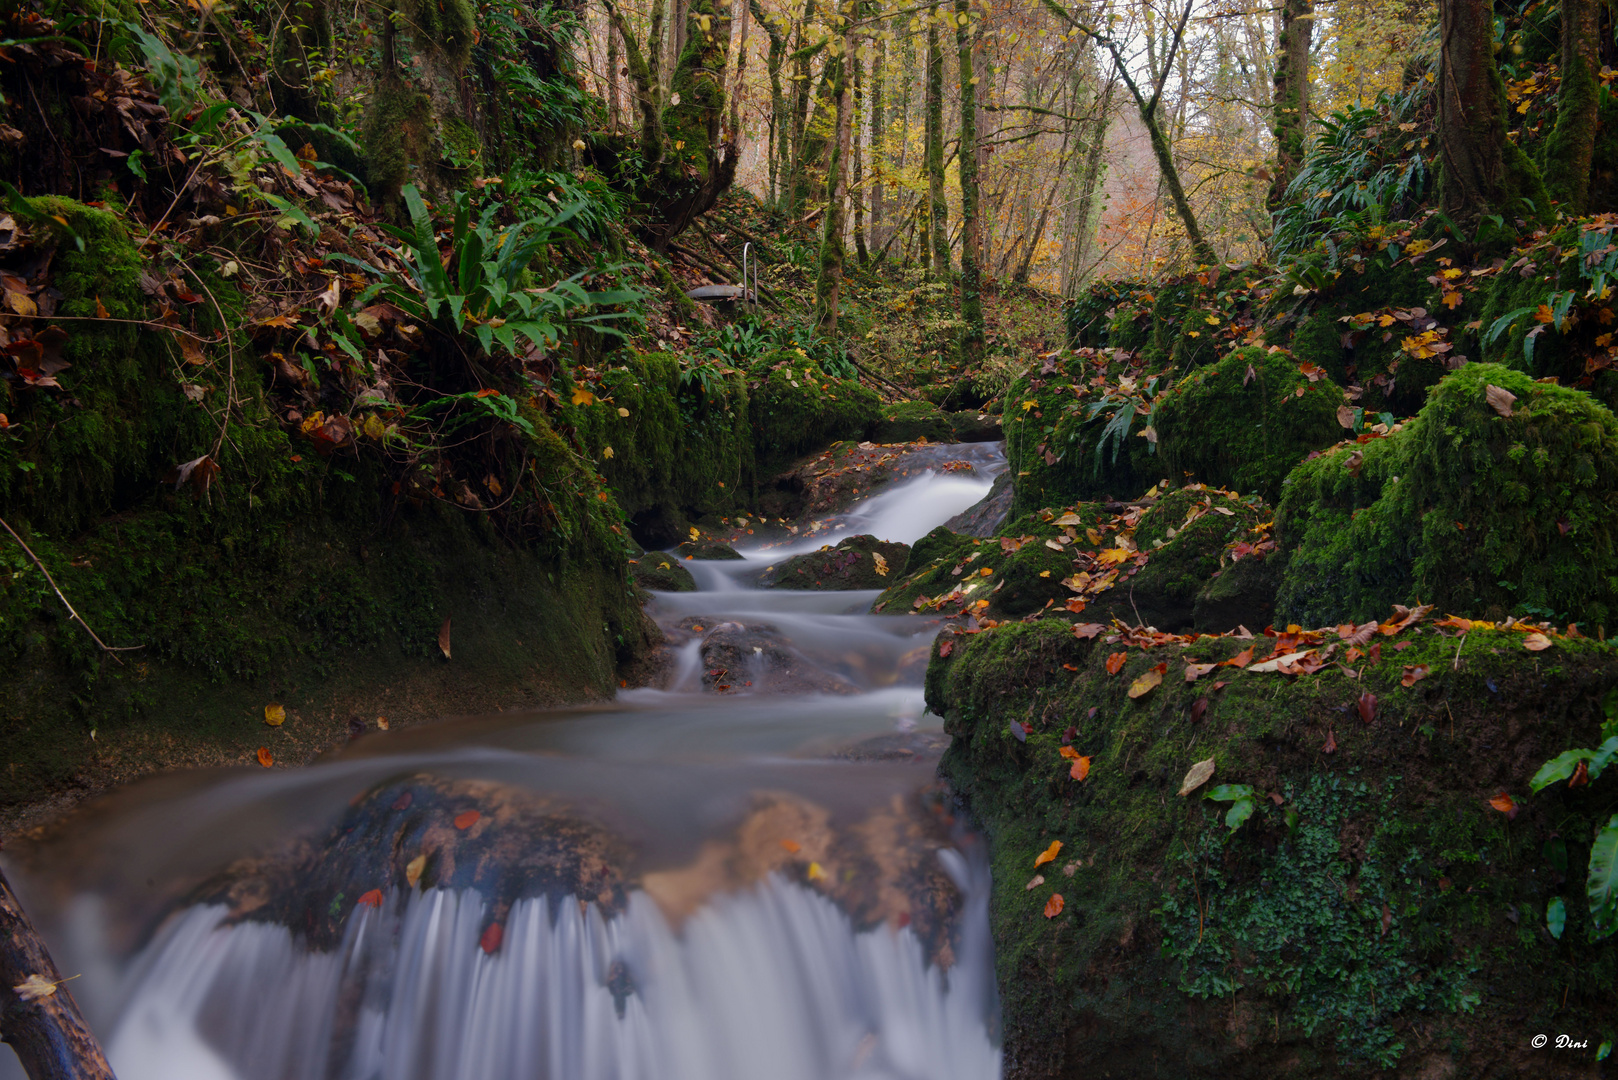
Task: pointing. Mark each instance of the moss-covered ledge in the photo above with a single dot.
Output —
(1381, 919)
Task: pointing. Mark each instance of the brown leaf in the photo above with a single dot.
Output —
(1068, 752)
(1500, 399)
(190, 349)
(1053, 906)
(373, 898)
(1414, 673)
(443, 638)
(1367, 706)
(1195, 671)
(1536, 642)
(1148, 681)
(265, 758)
(1115, 662)
(1581, 775)
(493, 935)
(1356, 635)
(1387, 919)
(946, 647)
(1331, 742)
(1345, 417)
(1086, 631)
(1199, 709)
(1034, 882)
(1199, 774)
(199, 471)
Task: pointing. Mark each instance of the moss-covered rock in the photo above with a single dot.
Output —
(1244, 422)
(909, 421)
(706, 549)
(796, 407)
(857, 562)
(662, 573)
(1480, 513)
(1376, 914)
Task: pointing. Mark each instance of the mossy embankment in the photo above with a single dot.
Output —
(1375, 916)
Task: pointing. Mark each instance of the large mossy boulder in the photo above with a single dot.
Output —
(1374, 916)
(857, 562)
(796, 406)
(1481, 513)
(909, 421)
(1244, 422)
(661, 571)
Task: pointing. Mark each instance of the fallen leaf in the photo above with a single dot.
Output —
(413, 870)
(1080, 769)
(1048, 855)
(403, 801)
(35, 988)
(443, 638)
(1194, 671)
(382, 723)
(264, 757)
(1367, 706)
(466, 819)
(881, 564)
(816, 873)
(1331, 742)
(1115, 662)
(1068, 752)
(1148, 681)
(1500, 399)
(1019, 731)
(1199, 709)
(1053, 906)
(792, 846)
(274, 715)
(1034, 882)
(946, 647)
(581, 396)
(1200, 774)
(1387, 919)
(493, 935)
(371, 899)
(330, 296)
(1504, 803)
(1414, 673)
(1536, 642)
(1581, 775)
(1345, 417)
(1240, 660)
(1086, 631)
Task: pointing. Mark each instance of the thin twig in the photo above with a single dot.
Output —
(57, 589)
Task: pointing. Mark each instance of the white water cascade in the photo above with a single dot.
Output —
(771, 982)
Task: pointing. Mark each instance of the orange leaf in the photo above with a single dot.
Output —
(443, 638)
(1240, 660)
(792, 846)
(264, 757)
(1149, 681)
(1068, 752)
(1503, 803)
(466, 819)
(493, 935)
(1115, 662)
(1414, 673)
(1053, 906)
(372, 898)
(1080, 769)
(1048, 855)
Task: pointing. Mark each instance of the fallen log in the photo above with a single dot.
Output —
(38, 1016)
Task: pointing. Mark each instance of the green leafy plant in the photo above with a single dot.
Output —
(1581, 767)
(1243, 801)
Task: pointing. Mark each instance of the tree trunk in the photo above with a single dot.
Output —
(1291, 100)
(829, 283)
(613, 63)
(1483, 170)
(860, 251)
(938, 210)
(50, 1037)
(878, 142)
(972, 335)
(1571, 151)
(1089, 181)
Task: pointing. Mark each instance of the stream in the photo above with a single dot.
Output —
(802, 905)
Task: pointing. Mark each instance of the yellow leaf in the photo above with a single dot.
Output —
(34, 988)
(413, 870)
(1048, 855)
(623, 412)
(1028, 405)
(816, 873)
(1148, 681)
(374, 427)
(1094, 537)
(1211, 320)
(881, 564)
(606, 452)
(1113, 556)
(695, 535)
(581, 396)
(274, 715)
(1200, 774)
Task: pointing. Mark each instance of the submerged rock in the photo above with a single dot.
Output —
(662, 572)
(857, 562)
(1373, 865)
(755, 658)
(985, 516)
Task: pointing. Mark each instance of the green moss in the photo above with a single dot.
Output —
(1224, 426)
(662, 572)
(797, 407)
(1479, 513)
(909, 421)
(447, 27)
(1289, 910)
(397, 132)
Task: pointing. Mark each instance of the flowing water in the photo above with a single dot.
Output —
(707, 970)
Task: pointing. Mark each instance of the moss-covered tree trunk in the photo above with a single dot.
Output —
(971, 227)
(878, 143)
(801, 89)
(1291, 101)
(937, 210)
(829, 283)
(1571, 150)
(1483, 171)
(858, 189)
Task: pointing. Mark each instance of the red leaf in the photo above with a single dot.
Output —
(402, 801)
(1115, 662)
(372, 898)
(466, 819)
(1240, 660)
(946, 647)
(1505, 804)
(1414, 673)
(1053, 906)
(493, 935)
(1199, 708)
(1581, 775)
(1367, 706)
(264, 757)
(1070, 734)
